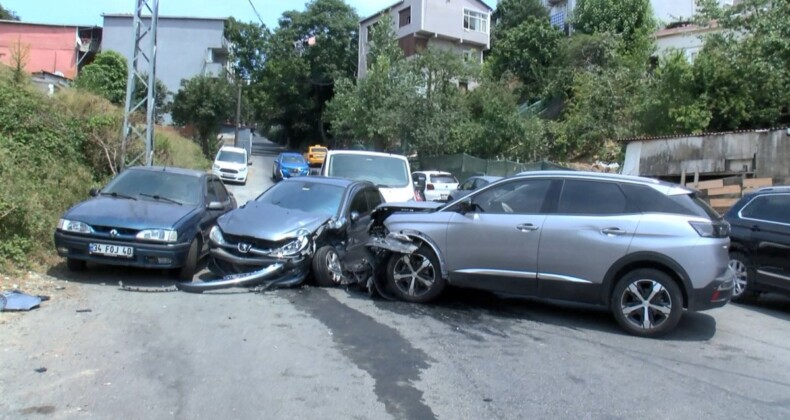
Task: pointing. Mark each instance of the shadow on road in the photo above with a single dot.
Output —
(777, 306)
(108, 275)
(477, 314)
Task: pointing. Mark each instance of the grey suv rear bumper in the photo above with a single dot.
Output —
(716, 294)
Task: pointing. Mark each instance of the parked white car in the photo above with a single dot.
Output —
(390, 172)
(231, 164)
(435, 185)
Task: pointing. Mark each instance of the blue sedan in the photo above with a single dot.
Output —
(289, 164)
(149, 217)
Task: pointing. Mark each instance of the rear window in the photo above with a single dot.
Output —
(648, 200)
(317, 150)
(443, 179)
(384, 171)
(591, 197)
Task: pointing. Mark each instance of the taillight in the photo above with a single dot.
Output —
(718, 229)
(430, 187)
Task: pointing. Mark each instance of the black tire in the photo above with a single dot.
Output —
(187, 271)
(75, 265)
(405, 281)
(664, 298)
(325, 274)
(744, 277)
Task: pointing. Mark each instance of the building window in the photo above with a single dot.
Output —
(475, 21)
(404, 17)
(472, 56)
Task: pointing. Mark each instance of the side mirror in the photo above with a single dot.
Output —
(94, 192)
(465, 206)
(215, 205)
(354, 216)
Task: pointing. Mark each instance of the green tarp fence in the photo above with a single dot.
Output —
(463, 166)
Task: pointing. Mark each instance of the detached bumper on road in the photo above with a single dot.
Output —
(146, 255)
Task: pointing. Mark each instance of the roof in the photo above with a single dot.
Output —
(709, 133)
(291, 154)
(380, 12)
(51, 25)
(432, 172)
(689, 28)
(363, 153)
(169, 169)
(233, 149)
(595, 175)
(129, 15)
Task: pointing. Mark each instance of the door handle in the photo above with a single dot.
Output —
(527, 227)
(613, 231)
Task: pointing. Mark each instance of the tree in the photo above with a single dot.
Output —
(495, 129)
(6, 14)
(19, 56)
(204, 102)
(306, 54)
(107, 76)
(512, 13)
(632, 20)
(527, 51)
(248, 45)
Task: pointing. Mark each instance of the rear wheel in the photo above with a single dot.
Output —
(75, 265)
(416, 277)
(741, 266)
(647, 303)
(326, 267)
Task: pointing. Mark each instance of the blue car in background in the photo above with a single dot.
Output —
(150, 217)
(289, 164)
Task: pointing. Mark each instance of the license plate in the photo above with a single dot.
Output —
(112, 250)
(444, 196)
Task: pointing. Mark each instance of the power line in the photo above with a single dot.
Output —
(256, 12)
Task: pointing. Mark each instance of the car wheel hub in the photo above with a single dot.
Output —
(333, 264)
(414, 275)
(741, 276)
(646, 304)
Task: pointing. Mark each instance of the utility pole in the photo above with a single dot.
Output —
(238, 113)
(137, 140)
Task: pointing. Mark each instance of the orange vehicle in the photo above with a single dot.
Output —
(315, 155)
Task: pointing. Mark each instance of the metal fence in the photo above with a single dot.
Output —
(463, 166)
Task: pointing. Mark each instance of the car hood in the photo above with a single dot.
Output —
(411, 206)
(294, 165)
(269, 222)
(128, 214)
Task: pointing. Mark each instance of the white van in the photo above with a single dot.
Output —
(391, 173)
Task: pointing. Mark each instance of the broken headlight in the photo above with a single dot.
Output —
(295, 247)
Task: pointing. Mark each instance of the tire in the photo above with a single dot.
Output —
(76, 265)
(417, 277)
(665, 302)
(744, 275)
(187, 271)
(326, 267)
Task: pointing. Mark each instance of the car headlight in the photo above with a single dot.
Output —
(244, 169)
(216, 167)
(295, 247)
(215, 235)
(158, 235)
(74, 226)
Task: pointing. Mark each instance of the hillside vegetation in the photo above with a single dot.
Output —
(52, 151)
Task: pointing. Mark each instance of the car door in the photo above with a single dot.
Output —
(361, 205)
(591, 229)
(494, 246)
(768, 219)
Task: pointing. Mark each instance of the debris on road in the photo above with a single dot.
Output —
(82, 311)
(15, 300)
(40, 370)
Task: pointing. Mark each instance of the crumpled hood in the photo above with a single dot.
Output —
(129, 214)
(269, 222)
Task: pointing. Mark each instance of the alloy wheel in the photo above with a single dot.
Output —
(741, 276)
(414, 274)
(333, 264)
(646, 304)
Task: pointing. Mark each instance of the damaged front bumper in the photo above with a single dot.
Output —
(271, 276)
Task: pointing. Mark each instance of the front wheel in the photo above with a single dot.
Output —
(326, 267)
(187, 272)
(647, 303)
(416, 277)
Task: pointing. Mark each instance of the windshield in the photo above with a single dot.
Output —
(293, 159)
(232, 157)
(184, 189)
(384, 171)
(443, 179)
(306, 196)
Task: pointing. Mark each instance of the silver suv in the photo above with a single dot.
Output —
(644, 248)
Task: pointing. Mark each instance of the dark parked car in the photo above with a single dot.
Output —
(148, 217)
(471, 184)
(289, 164)
(298, 225)
(645, 249)
(760, 249)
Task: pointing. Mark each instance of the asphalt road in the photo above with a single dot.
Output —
(337, 354)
